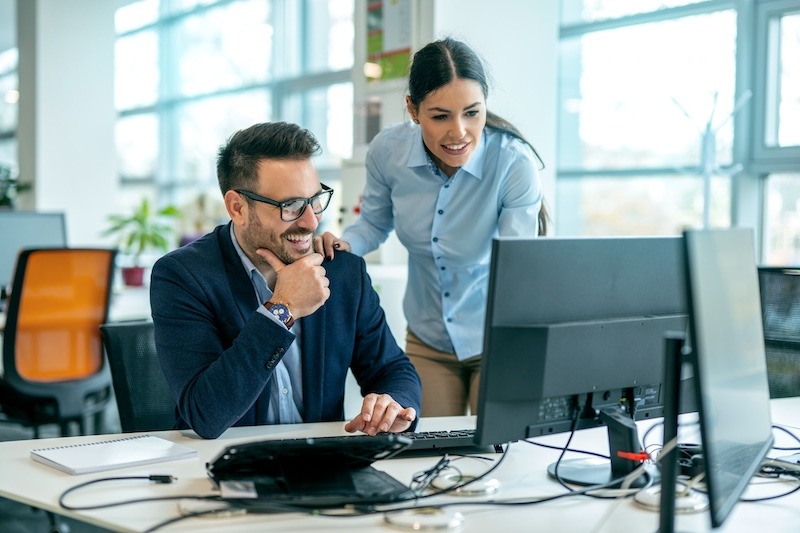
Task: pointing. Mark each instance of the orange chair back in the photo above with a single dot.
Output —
(63, 301)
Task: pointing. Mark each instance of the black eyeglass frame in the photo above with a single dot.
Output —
(282, 205)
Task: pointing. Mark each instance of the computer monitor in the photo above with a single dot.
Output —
(780, 312)
(726, 343)
(27, 229)
(574, 336)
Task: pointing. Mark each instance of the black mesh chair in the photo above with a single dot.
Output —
(54, 371)
(143, 397)
(780, 309)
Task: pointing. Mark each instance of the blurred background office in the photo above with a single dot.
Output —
(651, 115)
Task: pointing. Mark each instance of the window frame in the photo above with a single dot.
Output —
(276, 89)
(769, 158)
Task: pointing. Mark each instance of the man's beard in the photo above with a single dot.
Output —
(257, 236)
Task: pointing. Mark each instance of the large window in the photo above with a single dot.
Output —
(658, 102)
(644, 128)
(189, 73)
(776, 141)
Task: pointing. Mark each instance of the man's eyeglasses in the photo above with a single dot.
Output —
(294, 209)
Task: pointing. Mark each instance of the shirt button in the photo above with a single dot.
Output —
(447, 186)
(442, 268)
(449, 319)
(436, 239)
(440, 211)
(447, 295)
(285, 391)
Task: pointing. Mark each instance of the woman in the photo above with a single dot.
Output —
(447, 183)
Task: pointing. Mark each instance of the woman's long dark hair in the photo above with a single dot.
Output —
(439, 63)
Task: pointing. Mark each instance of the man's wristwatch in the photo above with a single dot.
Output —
(281, 312)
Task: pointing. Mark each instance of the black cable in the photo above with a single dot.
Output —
(154, 478)
(566, 448)
(647, 433)
(766, 498)
(175, 519)
(575, 450)
(457, 486)
(772, 471)
(508, 503)
(422, 480)
(572, 427)
(795, 437)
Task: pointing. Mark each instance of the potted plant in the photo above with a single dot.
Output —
(145, 228)
(10, 187)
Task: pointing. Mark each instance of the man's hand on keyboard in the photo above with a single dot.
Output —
(381, 414)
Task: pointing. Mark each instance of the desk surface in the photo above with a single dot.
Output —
(521, 475)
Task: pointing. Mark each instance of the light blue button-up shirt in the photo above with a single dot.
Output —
(286, 384)
(447, 226)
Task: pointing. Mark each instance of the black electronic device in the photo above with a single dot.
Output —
(725, 349)
(574, 339)
(324, 472)
(780, 313)
(27, 229)
(452, 441)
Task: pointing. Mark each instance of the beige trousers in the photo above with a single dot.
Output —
(449, 386)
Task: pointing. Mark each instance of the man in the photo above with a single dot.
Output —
(252, 328)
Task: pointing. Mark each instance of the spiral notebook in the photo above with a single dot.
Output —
(110, 454)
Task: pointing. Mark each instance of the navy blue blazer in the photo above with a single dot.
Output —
(218, 353)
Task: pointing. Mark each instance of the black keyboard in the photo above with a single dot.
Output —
(461, 441)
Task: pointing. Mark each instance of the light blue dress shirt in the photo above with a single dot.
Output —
(447, 226)
(286, 384)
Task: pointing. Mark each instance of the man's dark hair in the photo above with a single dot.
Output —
(237, 160)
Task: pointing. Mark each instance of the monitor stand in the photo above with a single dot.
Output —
(623, 438)
(668, 503)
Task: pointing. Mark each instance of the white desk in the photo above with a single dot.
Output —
(522, 475)
(129, 303)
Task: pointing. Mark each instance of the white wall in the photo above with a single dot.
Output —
(66, 111)
(518, 41)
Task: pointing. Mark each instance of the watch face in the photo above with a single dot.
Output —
(280, 311)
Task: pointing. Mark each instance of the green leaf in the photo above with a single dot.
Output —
(142, 229)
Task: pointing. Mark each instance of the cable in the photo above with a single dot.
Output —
(227, 512)
(458, 486)
(161, 479)
(625, 486)
(422, 480)
(795, 437)
(776, 472)
(572, 427)
(574, 450)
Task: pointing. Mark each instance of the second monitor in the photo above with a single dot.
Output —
(574, 338)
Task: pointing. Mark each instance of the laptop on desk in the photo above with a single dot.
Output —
(312, 473)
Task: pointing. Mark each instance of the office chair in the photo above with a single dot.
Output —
(780, 311)
(143, 397)
(54, 368)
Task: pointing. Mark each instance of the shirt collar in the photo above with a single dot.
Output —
(256, 277)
